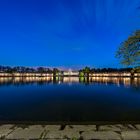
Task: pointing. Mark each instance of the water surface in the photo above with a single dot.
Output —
(69, 99)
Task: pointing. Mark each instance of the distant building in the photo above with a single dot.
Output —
(71, 73)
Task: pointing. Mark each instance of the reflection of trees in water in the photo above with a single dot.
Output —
(134, 82)
(57, 80)
(85, 80)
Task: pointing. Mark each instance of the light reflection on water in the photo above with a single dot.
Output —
(69, 80)
(69, 99)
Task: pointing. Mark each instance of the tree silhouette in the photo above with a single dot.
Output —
(129, 51)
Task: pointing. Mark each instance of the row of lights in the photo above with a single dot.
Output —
(70, 73)
(110, 74)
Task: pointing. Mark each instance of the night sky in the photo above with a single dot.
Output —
(65, 33)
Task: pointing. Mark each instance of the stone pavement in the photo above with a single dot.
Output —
(70, 132)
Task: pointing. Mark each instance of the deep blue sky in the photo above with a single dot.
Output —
(65, 32)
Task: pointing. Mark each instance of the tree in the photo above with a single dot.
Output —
(129, 51)
(49, 70)
(1, 68)
(81, 73)
(86, 71)
(55, 71)
(41, 70)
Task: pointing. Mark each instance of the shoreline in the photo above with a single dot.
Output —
(70, 123)
(98, 74)
(69, 76)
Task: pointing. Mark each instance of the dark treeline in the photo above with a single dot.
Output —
(100, 70)
(21, 69)
(87, 70)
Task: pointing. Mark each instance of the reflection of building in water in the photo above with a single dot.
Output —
(5, 79)
(126, 81)
(113, 80)
(71, 79)
(38, 79)
(58, 80)
(20, 80)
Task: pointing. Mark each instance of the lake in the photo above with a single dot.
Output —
(70, 99)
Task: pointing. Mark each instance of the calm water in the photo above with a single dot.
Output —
(69, 99)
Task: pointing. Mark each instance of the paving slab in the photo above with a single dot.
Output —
(55, 139)
(131, 127)
(73, 132)
(32, 132)
(52, 127)
(81, 127)
(54, 135)
(100, 135)
(5, 130)
(117, 127)
(110, 128)
(130, 135)
(62, 134)
(137, 126)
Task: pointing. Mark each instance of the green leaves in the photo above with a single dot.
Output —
(129, 50)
